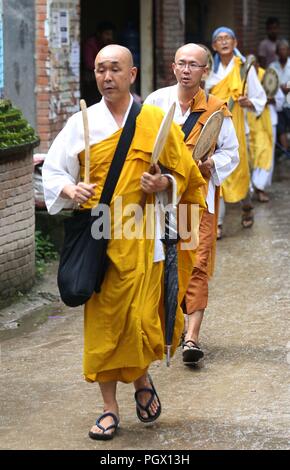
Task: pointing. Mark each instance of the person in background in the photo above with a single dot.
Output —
(104, 36)
(227, 83)
(262, 140)
(282, 67)
(267, 47)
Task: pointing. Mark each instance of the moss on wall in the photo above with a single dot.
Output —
(14, 129)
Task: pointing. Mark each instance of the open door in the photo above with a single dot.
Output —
(123, 27)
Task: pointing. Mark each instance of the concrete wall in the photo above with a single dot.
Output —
(19, 70)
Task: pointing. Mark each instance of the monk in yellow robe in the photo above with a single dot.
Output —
(261, 141)
(226, 83)
(123, 331)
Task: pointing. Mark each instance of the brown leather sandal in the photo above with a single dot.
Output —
(262, 196)
(247, 217)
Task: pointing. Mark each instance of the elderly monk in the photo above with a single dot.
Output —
(189, 66)
(226, 83)
(123, 330)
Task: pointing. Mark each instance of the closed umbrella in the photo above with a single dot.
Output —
(170, 270)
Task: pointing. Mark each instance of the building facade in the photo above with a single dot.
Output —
(1, 52)
(43, 45)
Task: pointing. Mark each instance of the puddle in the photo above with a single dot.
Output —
(31, 321)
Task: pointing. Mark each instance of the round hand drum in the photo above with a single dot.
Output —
(208, 136)
(163, 132)
(270, 82)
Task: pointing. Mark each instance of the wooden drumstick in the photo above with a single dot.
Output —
(87, 141)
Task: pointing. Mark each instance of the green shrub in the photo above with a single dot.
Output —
(14, 129)
(44, 251)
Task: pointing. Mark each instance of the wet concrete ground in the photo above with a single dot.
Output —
(239, 398)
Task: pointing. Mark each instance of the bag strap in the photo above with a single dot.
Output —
(120, 154)
(192, 120)
(190, 123)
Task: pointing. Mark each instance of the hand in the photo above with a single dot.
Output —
(206, 166)
(244, 102)
(79, 193)
(155, 182)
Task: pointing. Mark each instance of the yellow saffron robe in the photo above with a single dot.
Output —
(261, 136)
(236, 186)
(123, 326)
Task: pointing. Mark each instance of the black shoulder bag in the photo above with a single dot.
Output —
(83, 260)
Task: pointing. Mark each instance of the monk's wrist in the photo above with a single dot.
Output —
(164, 182)
(68, 191)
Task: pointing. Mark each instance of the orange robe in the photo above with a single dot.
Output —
(197, 292)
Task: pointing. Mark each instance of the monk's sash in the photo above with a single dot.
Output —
(236, 186)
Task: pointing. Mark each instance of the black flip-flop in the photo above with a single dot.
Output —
(192, 354)
(139, 407)
(104, 436)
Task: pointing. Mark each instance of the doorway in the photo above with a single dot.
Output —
(123, 17)
(196, 18)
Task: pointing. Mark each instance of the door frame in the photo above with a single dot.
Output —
(146, 47)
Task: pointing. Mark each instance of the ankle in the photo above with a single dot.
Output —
(141, 382)
(111, 406)
(191, 337)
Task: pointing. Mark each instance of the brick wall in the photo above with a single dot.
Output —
(246, 29)
(169, 35)
(17, 257)
(57, 66)
(1, 51)
(250, 18)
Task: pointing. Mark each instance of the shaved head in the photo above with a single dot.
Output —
(189, 66)
(115, 73)
(195, 50)
(115, 53)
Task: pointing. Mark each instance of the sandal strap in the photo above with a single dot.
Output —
(111, 426)
(151, 416)
(185, 343)
(150, 400)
